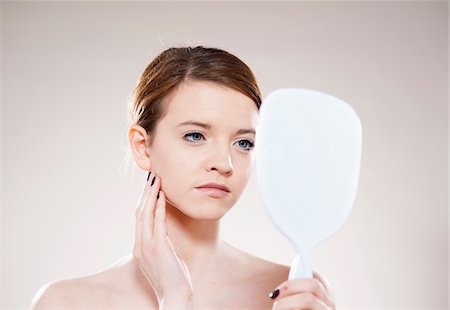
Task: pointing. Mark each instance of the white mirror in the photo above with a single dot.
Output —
(307, 157)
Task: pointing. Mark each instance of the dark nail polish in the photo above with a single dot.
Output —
(148, 177)
(274, 294)
(153, 181)
(157, 196)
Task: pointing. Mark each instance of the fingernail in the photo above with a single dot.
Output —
(153, 181)
(148, 175)
(274, 294)
(157, 196)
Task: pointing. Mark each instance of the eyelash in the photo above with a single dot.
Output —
(193, 133)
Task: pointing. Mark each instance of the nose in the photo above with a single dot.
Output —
(220, 160)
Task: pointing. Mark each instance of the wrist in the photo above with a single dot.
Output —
(177, 300)
(168, 304)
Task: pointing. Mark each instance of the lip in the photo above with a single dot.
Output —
(222, 187)
(213, 192)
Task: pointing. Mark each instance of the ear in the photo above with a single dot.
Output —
(139, 144)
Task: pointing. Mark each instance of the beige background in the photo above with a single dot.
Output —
(68, 69)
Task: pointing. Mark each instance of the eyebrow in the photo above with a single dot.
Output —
(208, 126)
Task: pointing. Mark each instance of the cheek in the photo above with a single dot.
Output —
(175, 179)
(241, 177)
(178, 178)
(174, 189)
(245, 168)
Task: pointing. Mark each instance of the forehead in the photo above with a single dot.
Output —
(210, 102)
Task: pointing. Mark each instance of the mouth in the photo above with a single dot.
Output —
(213, 192)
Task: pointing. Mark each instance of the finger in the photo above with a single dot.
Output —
(326, 286)
(312, 285)
(144, 195)
(326, 289)
(160, 228)
(303, 301)
(137, 248)
(147, 217)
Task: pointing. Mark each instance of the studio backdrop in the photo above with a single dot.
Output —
(68, 197)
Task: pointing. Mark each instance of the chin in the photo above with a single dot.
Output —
(207, 211)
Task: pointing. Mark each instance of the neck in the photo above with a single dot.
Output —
(195, 241)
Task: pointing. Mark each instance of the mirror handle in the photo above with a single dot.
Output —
(301, 268)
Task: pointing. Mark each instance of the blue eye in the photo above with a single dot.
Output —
(192, 134)
(247, 145)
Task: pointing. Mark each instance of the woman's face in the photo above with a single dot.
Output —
(187, 156)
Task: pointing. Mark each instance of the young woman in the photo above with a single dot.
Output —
(192, 127)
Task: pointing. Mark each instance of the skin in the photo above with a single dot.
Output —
(178, 259)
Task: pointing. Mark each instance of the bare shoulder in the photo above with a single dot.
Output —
(76, 292)
(119, 286)
(59, 294)
(270, 274)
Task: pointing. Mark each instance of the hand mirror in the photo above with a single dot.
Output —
(307, 158)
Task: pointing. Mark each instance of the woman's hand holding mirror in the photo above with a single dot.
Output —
(314, 293)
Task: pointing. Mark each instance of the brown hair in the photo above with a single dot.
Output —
(168, 70)
(177, 64)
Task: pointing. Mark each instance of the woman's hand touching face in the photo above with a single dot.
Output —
(302, 294)
(154, 252)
